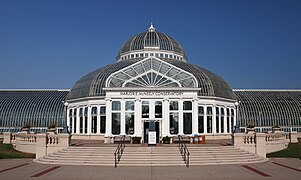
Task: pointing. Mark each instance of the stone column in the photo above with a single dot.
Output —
(89, 116)
(260, 145)
(293, 137)
(165, 118)
(225, 120)
(181, 121)
(68, 119)
(98, 120)
(108, 135)
(41, 149)
(205, 119)
(138, 122)
(122, 117)
(77, 120)
(214, 119)
(6, 137)
(195, 116)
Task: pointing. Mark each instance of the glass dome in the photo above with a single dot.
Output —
(151, 43)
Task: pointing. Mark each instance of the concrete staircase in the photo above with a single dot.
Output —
(152, 156)
(137, 155)
(99, 156)
(216, 155)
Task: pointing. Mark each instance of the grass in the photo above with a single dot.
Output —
(7, 151)
(293, 151)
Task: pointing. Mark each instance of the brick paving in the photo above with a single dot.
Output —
(31, 169)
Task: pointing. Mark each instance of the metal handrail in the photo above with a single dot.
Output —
(184, 150)
(119, 150)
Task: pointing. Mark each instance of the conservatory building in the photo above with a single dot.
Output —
(151, 87)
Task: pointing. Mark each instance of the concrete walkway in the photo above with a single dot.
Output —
(273, 169)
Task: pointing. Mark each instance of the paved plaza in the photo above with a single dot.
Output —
(276, 168)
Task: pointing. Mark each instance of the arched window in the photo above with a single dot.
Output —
(151, 72)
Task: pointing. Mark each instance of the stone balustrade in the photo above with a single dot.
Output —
(39, 144)
(25, 142)
(253, 143)
(260, 143)
(50, 143)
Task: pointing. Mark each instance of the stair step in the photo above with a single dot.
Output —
(150, 156)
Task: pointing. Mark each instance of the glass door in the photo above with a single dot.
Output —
(151, 126)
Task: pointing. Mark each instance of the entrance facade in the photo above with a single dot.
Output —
(151, 82)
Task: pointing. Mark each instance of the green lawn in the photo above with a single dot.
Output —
(7, 151)
(293, 151)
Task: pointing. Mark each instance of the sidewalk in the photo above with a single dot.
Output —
(276, 168)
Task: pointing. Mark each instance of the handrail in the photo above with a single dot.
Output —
(184, 150)
(119, 150)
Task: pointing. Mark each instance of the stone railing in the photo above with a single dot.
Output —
(277, 141)
(260, 143)
(39, 144)
(253, 143)
(25, 142)
(50, 143)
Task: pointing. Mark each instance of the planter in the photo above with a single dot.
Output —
(166, 140)
(25, 130)
(52, 130)
(250, 130)
(276, 129)
(136, 140)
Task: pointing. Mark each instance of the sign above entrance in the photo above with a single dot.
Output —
(151, 93)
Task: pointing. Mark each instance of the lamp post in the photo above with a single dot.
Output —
(236, 118)
(65, 127)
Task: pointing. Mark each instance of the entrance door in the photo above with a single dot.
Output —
(151, 126)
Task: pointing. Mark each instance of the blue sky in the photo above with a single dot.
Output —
(51, 44)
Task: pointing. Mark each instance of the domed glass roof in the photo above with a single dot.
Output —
(93, 83)
(151, 41)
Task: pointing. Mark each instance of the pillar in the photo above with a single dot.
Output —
(98, 120)
(214, 119)
(205, 119)
(108, 134)
(41, 149)
(122, 117)
(165, 118)
(89, 120)
(195, 116)
(138, 122)
(181, 121)
(6, 137)
(260, 145)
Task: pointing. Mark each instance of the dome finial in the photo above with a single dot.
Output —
(151, 28)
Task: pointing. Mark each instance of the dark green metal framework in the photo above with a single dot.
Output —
(262, 108)
(40, 108)
(267, 108)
